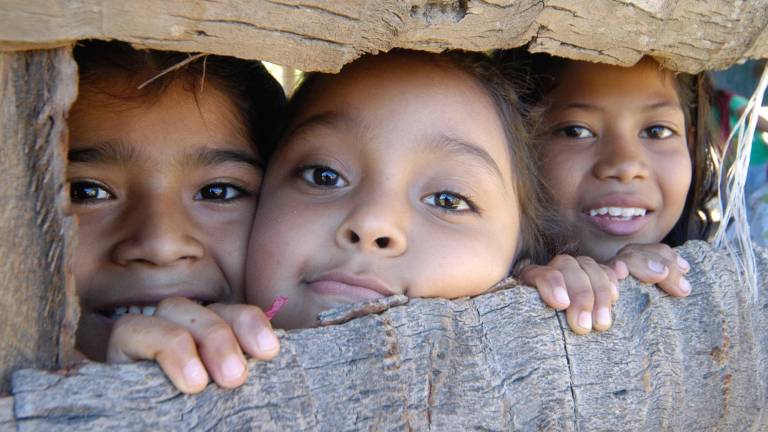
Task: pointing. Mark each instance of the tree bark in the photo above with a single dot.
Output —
(501, 361)
(686, 35)
(37, 319)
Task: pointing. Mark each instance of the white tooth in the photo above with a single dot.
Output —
(602, 211)
(148, 310)
(639, 212)
(614, 211)
(122, 310)
(627, 212)
(593, 212)
(134, 310)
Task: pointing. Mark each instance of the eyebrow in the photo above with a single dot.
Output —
(111, 152)
(462, 148)
(207, 157)
(331, 119)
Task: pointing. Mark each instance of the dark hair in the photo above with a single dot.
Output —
(258, 97)
(501, 91)
(538, 74)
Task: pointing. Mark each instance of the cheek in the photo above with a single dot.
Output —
(675, 181)
(94, 238)
(225, 234)
(562, 172)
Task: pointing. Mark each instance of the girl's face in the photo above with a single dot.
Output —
(615, 154)
(165, 194)
(394, 178)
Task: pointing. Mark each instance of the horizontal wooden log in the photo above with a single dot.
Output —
(500, 361)
(36, 319)
(687, 35)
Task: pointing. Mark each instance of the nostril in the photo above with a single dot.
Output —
(382, 242)
(353, 237)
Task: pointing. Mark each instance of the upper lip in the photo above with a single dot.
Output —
(365, 281)
(618, 200)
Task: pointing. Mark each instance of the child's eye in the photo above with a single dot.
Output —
(220, 192)
(577, 132)
(449, 201)
(84, 191)
(323, 176)
(656, 132)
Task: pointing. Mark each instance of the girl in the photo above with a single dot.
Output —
(164, 171)
(630, 166)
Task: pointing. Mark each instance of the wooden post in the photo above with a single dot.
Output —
(36, 298)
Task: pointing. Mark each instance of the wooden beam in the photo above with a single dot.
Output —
(687, 35)
(37, 318)
(501, 361)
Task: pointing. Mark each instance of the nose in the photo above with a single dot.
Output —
(159, 232)
(621, 158)
(374, 228)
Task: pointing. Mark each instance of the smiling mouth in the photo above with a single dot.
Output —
(618, 213)
(146, 309)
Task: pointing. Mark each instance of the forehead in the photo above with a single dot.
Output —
(595, 81)
(112, 109)
(399, 99)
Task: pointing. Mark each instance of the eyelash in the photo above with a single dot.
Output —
(81, 185)
(471, 206)
(308, 174)
(240, 192)
(563, 131)
(671, 131)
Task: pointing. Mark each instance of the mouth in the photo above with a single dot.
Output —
(137, 308)
(349, 288)
(618, 221)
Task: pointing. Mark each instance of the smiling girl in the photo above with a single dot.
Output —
(164, 171)
(629, 165)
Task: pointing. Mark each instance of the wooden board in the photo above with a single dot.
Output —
(36, 321)
(501, 361)
(687, 35)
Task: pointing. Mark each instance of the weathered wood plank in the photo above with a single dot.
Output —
(36, 89)
(496, 362)
(7, 422)
(688, 35)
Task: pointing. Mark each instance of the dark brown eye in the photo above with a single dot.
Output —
(449, 201)
(219, 192)
(576, 132)
(656, 132)
(85, 191)
(323, 176)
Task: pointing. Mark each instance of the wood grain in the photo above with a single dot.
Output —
(501, 361)
(36, 315)
(686, 35)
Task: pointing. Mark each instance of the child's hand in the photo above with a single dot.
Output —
(582, 286)
(656, 263)
(189, 341)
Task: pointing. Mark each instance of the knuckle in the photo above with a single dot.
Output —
(586, 261)
(217, 331)
(177, 339)
(170, 304)
(565, 260)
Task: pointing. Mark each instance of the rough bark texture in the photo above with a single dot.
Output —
(687, 35)
(36, 89)
(500, 361)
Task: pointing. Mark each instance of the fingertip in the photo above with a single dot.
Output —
(195, 377)
(603, 319)
(657, 267)
(233, 371)
(685, 286)
(621, 269)
(683, 264)
(561, 298)
(267, 344)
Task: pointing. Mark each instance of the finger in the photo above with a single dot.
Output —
(675, 284)
(216, 342)
(550, 284)
(620, 268)
(252, 329)
(601, 279)
(579, 313)
(139, 337)
(648, 268)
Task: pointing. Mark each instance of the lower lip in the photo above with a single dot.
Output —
(618, 227)
(346, 293)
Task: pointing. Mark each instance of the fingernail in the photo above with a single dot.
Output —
(561, 295)
(604, 317)
(656, 266)
(266, 340)
(232, 368)
(685, 286)
(683, 263)
(614, 289)
(585, 320)
(194, 373)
